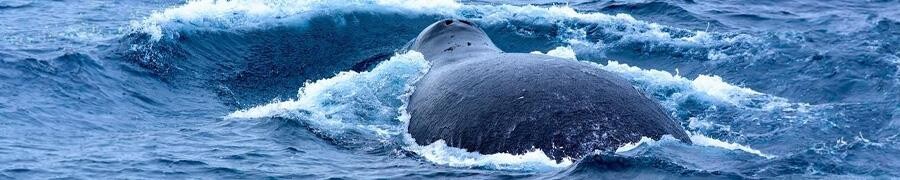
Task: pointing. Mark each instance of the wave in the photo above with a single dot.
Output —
(357, 106)
(13, 4)
(209, 15)
(249, 45)
(696, 139)
(246, 14)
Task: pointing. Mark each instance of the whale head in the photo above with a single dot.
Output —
(452, 40)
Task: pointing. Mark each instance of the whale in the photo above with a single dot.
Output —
(479, 98)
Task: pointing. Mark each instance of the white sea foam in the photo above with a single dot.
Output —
(709, 87)
(703, 140)
(635, 29)
(698, 140)
(896, 61)
(560, 52)
(439, 153)
(242, 14)
(260, 14)
(644, 141)
(354, 101)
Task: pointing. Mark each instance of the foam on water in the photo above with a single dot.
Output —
(644, 140)
(561, 52)
(706, 87)
(245, 14)
(698, 140)
(363, 102)
(249, 14)
(439, 153)
(703, 140)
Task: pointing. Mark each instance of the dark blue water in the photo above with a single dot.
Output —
(159, 89)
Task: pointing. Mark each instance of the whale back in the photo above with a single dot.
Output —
(481, 99)
(517, 102)
(449, 41)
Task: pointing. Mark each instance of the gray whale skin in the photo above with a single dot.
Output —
(479, 98)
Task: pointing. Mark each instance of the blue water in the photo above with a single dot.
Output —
(159, 89)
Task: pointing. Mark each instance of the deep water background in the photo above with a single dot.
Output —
(89, 89)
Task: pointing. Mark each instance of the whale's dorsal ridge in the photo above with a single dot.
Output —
(451, 40)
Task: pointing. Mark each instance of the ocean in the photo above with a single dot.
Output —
(317, 89)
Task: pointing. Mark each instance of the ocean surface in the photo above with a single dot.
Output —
(240, 89)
